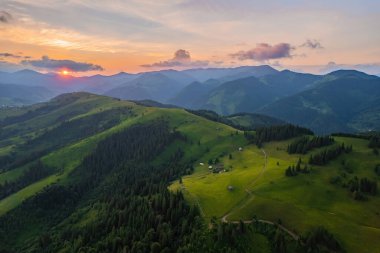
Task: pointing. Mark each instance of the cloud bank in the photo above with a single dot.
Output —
(50, 64)
(263, 52)
(181, 58)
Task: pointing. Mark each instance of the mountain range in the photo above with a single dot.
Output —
(89, 173)
(344, 100)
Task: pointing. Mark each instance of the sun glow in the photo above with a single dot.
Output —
(65, 72)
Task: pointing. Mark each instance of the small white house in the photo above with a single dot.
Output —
(210, 167)
(201, 164)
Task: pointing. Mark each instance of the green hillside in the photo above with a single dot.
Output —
(344, 101)
(87, 173)
(244, 94)
(261, 189)
(66, 157)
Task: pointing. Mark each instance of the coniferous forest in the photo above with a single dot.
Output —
(276, 133)
(135, 210)
(326, 155)
(305, 144)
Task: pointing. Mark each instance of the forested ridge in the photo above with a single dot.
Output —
(276, 133)
(133, 209)
(32, 174)
(305, 144)
(59, 135)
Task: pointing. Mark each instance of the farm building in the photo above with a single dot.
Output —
(218, 168)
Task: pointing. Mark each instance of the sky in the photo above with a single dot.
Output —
(106, 37)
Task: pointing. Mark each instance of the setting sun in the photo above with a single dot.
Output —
(65, 72)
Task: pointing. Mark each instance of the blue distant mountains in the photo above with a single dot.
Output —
(344, 100)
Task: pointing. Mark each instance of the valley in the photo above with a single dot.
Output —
(226, 176)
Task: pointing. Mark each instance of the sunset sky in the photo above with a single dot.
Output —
(106, 37)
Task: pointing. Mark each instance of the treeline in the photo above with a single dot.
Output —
(377, 169)
(316, 240)
(32, 174)
(374, 142)
(350, 135)
(292, 171)
(213, 116)
(358, 187)
(327, 155)
(276, 133)
(320, 240)
(62, 134)
(305, 144)
(373, 137)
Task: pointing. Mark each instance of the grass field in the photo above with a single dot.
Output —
(68, 158)
(11, 175)
(301, 202)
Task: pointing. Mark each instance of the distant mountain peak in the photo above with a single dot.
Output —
(121, 73)
(350, 73)
(286, 71)
(27, 71)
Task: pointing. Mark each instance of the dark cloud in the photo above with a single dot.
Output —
(181, 58)
(4, 56)
(5, 17)
(182, 55)
(9, 55)
(264, 52)
(313, 44)
(50, 64)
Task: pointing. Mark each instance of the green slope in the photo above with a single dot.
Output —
(339, 103)
(251, 183)
(202, 136)
(250, 94)
(261, 189)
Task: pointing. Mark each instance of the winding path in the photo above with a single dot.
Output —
(250, 196)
